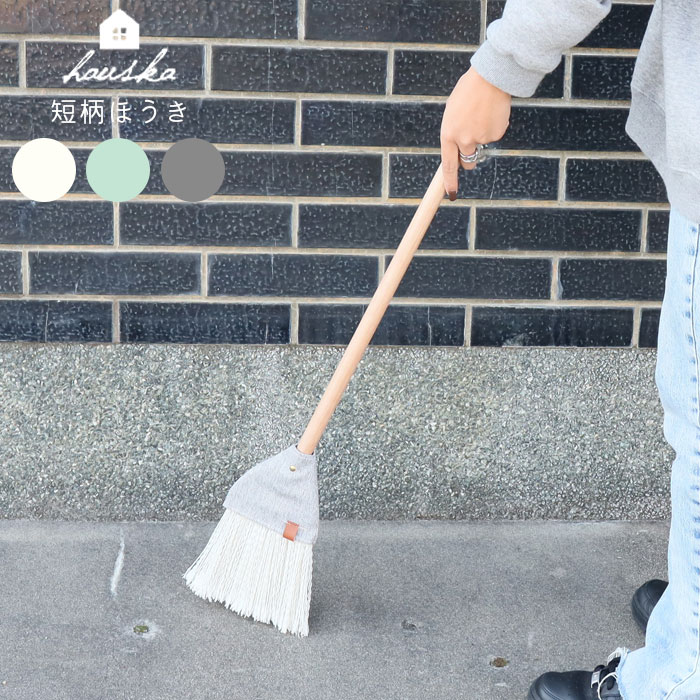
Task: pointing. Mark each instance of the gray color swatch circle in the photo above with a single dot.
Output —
(192, 169)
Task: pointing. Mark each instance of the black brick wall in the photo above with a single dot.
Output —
(327, 113)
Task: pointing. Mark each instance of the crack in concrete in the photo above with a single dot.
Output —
(119, 562)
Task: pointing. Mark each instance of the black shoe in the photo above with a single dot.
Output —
(601, 684)
(644, 600)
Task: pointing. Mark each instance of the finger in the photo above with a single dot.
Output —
(467, 149)
(450, 167)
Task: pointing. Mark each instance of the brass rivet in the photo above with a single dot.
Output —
(292, 468)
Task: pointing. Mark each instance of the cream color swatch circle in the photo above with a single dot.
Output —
(43, 170)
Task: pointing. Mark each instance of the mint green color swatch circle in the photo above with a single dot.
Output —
(118, 170)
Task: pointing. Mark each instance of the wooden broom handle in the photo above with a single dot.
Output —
(373, 314)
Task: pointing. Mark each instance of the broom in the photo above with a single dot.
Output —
(258, 560)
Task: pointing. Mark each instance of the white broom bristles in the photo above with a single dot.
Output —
(256, 572)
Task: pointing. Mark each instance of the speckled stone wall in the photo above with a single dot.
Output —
(136, 431)
(327, 113)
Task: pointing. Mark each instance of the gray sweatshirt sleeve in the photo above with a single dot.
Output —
(528, 40)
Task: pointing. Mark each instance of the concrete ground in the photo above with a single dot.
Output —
(424, 609)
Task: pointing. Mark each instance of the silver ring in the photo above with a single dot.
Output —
(475, 157)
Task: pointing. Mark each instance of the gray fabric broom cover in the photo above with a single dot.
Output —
(270, 493)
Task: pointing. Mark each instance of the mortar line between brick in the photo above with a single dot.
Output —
(25, 272)
(412, 201)
(404, 201)
(636, 325)
(385, 177)
(114, 114)
(554, 287)
(295, 224)
(366, 45)
(116, 338)
(208, 69)
(233, 249)
(281, 299)
(204, 273)
(483, 20)
(472, 228)
(467, 326)
(561, 179)
(567, 76)
(644, 238)
(390, 72)
(264, 96)
(297, 123)
(366, 150)
(294, 324)
(116, 223)
(22, 48)
(301, 20)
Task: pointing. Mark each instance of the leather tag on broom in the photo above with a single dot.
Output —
(290, 530)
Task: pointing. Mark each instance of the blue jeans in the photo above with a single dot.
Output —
(667, 667)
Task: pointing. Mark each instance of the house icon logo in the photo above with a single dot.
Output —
(119, 31)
